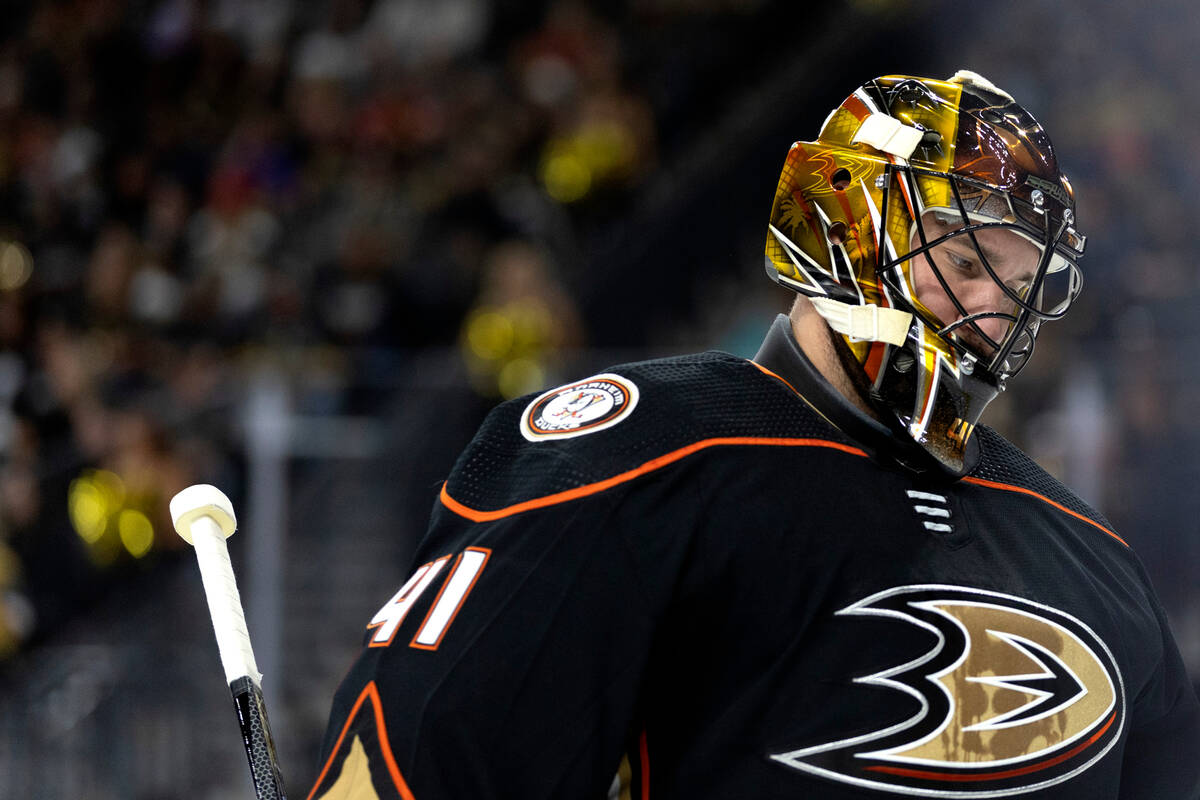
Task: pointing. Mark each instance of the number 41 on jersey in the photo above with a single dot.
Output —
(455, 588)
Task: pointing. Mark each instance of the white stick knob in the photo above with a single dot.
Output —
(204, 517)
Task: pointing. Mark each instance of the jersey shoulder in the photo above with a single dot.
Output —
(605, 425)
(1003, 464)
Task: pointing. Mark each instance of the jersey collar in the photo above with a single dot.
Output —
(781, 354)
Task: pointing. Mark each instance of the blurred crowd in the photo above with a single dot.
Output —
(190, 189)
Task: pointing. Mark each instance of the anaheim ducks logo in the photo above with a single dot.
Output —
(1014, 696)
(586, 406)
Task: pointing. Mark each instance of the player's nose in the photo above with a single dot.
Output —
(990, 298)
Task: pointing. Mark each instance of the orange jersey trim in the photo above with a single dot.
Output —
(1008, 487)
(766, 371)
(371, 692)
(476, 515)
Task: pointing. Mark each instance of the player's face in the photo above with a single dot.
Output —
(1013, 258)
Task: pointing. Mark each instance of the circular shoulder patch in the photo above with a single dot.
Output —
(585, 406)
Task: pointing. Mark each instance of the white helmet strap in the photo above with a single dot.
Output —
(867, 323)
(888, 135)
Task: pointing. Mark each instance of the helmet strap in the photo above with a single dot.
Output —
(868, 323)
(889, 135)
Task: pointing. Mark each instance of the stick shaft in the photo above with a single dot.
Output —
(256, 736)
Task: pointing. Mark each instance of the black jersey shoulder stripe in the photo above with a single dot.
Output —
(479, 515)
(1008, 487)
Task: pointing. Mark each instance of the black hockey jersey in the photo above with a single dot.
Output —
(708, 577)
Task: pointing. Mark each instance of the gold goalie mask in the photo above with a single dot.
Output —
(930, 225)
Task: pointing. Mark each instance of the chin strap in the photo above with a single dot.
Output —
(865, 323)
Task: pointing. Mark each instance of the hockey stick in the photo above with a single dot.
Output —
(204, 517)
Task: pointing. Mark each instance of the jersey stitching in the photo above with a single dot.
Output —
(477, 515)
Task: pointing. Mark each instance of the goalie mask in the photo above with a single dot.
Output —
(931, 227)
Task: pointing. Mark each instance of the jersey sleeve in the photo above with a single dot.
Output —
(511, 660)
(1164, 741)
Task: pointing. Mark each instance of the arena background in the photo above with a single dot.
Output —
(297, 249)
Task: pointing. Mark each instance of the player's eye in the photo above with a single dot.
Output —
(964, 265)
